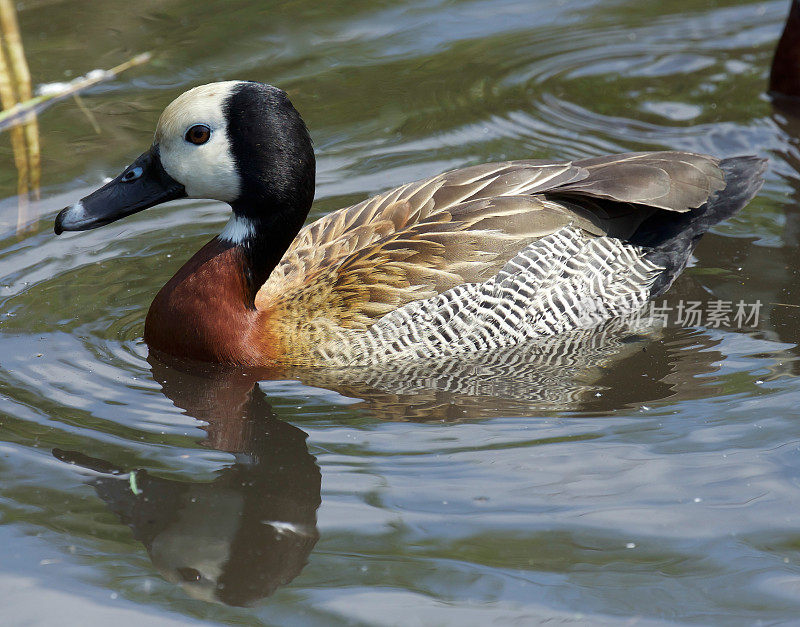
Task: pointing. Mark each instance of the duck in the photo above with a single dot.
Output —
(474, 259)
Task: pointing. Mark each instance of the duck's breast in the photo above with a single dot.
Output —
(201, 313)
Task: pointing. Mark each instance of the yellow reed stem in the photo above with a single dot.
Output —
(26, 147)
(31, 130)
(16, 53)
(19, 105)
(87, 112)
(8, 98)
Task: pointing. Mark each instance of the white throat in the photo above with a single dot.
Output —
(237, 230)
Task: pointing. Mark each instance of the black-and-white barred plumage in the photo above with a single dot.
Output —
(562, 282)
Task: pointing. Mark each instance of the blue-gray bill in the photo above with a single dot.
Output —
(142, 185)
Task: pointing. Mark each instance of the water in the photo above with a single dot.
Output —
(647, 474)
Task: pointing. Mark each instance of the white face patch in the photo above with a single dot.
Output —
(237, 230)
(207, 170)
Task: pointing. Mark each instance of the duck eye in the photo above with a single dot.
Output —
(198, 134)
(189, 574)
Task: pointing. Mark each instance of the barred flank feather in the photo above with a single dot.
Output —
(562, 282)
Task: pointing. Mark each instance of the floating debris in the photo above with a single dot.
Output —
(52, 92)
(132, 481)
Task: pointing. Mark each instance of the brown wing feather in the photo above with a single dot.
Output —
(675, 181)
(415, 241)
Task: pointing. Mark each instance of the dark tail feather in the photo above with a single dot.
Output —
(673, 238)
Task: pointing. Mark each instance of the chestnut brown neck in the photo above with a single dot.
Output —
(205, 312)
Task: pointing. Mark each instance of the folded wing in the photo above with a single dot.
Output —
(358, 264)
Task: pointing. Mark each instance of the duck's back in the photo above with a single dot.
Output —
(493, 254)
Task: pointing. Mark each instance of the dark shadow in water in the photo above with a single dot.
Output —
(783, 310)
(239, 537)
(784, 77)
(784, 92)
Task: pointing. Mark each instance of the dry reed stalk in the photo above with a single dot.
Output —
(8, 98)
(14, 115)
(20, 107)
(24, 140)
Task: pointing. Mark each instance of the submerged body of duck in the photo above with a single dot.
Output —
(473, 259)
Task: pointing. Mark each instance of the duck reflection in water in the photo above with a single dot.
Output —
(236, 539)
(239, 537)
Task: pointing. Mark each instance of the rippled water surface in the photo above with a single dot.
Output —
(630, 473)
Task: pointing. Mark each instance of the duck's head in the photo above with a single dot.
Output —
(239, 142)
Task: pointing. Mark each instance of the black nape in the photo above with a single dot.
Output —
(274, 158)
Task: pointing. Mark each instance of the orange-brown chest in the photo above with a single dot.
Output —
(202, 312)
